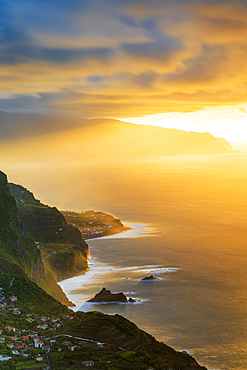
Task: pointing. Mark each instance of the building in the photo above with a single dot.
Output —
(20, 347)
(29, 319)
(38, 344)
(44, 318)
(88, 363)
(5, 358)
(13, 298)
(9, 328)
(39, 358)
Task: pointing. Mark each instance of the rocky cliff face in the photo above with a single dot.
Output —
(62, 248)
(16, 246)
(19, 254)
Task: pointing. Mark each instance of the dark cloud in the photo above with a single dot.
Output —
(23, 103)
(94, 78)
(145, 80)
(9, 35)
(153, 50)
(23, 53)
(204, 68)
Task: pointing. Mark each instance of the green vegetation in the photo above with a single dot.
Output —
(31, 297)
(48, 227)
(16, 247)
(45, 224)
(126, 326)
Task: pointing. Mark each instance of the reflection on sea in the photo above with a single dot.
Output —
(197, 206)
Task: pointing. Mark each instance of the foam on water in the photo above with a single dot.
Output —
(137, 230)
(96, 276)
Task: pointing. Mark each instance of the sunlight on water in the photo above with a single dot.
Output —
(137, 230)
(190, 230)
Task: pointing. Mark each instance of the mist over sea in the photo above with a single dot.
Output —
(189, 229)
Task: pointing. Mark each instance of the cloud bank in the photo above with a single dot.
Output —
(121, 58)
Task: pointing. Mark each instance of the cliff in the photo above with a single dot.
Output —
(19, 254)
(62, 248)
(16, 246)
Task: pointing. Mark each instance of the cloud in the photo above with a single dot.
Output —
(28, 53)
(122, 58)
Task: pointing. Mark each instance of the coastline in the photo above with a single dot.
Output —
(133, 230)
(96, 269)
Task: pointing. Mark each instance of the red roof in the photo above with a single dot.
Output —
(20, 347)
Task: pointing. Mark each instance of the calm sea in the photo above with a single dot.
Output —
(189, 224)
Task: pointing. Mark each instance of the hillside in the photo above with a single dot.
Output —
(19, 254)
(63, 251)
(39, 137)
(110, 341)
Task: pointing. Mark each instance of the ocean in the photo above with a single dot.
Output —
(189, 229)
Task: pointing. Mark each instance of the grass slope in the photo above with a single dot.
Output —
(62, 248)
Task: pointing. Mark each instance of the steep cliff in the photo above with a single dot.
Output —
(19, 254)
(16, 246)
(62, 248)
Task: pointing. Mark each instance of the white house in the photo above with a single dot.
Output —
(39, 358)
(5, 358)
(13, 298)
(88, 363)
(38, 343)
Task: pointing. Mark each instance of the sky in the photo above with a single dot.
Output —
(179, 63)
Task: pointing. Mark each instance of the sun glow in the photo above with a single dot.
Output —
(229, 122)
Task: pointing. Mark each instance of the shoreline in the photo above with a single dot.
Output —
(81, 287)
(85, 277)
(133, 230)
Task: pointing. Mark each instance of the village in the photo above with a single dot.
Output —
(30, 342)
(94, 224)
(27, 340)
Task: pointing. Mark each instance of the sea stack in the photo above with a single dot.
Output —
(106, 296)
(151, 277)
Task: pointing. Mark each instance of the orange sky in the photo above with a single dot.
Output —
(127, 59)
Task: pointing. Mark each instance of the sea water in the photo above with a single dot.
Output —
(188, 217)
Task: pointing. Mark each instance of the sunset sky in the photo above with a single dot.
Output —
(183, 62)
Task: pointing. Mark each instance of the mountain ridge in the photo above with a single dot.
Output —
(42, 137)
